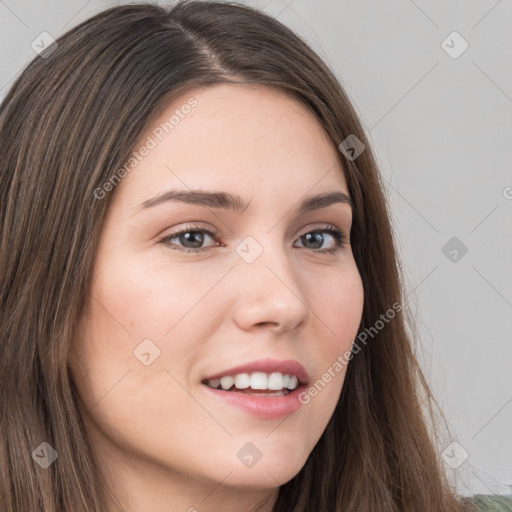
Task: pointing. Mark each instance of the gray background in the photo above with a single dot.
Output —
(441, 129)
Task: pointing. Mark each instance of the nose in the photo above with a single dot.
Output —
(270, 293)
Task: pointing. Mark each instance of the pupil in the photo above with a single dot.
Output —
(189, 236)
(319, 238)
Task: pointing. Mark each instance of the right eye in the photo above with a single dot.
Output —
(188, 235)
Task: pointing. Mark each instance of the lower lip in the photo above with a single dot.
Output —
(262, 407)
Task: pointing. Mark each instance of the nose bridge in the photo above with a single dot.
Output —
(271, 290)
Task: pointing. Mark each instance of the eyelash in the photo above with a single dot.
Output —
(339, 236)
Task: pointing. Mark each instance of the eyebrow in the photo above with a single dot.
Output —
(227, 201)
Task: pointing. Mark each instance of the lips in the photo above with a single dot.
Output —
(288, 366)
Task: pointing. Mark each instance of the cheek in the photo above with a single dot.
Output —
(136, 301)
(142, 299)
(336, 316)
(128, 314)
(337, 307)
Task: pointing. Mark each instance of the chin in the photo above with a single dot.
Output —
(262, 478)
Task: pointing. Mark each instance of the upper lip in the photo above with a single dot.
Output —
(288, 366)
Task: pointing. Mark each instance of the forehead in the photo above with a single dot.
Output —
(238, 138)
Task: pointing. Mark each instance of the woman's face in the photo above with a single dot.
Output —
(160, 320)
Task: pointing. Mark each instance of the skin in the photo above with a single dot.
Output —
(162, 441)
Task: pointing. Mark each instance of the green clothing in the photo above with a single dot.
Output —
(484, 503)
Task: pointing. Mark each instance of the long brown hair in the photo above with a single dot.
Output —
(67, 124)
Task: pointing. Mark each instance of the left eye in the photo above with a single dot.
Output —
(192, 238)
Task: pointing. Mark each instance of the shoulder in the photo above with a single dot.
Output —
(495, 503)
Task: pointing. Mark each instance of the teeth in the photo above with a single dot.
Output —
(275, 381)
(259, 380)
(242, 381)
(214, 383)
(226, 382)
